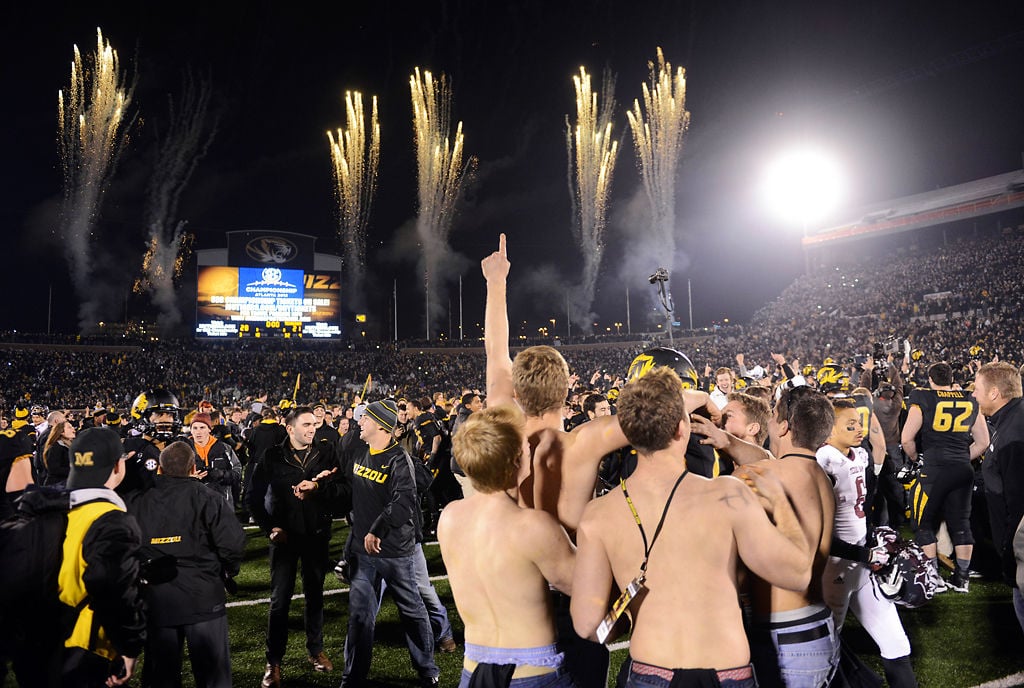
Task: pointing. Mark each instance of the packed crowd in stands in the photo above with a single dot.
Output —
(957, 303)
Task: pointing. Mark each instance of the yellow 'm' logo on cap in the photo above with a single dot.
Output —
(83, 458)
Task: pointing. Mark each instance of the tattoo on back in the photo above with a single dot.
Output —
(734, 492)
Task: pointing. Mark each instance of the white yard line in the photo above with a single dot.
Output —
(300, 596)
(1004, 682)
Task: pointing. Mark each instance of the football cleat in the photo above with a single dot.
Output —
(959, 581)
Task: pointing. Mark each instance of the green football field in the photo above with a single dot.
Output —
(958, 640)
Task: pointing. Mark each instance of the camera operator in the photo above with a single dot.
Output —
(889, 505)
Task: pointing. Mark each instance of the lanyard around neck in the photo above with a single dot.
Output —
(657, 531)
(812, 457)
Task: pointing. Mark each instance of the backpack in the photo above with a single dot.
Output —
(32, 617)
(33, 537)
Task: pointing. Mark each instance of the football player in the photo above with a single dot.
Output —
(846, 582)
(952, 434)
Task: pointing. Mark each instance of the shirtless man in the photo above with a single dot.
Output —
(562, 476)
(799, 623)
(686, 619)
(564, 469)
(501, 556)
(746, 417)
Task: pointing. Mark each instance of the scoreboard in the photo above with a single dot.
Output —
(267, 302)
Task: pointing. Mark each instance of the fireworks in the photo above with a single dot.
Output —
(439, 170)
(659, 142)
(185, 143)
(592, 154)
(91, 126)
(355, 157)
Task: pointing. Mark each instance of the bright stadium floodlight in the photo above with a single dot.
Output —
(802, 186)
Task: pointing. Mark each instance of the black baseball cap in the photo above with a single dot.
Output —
(92, 456)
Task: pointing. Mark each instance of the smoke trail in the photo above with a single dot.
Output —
(592, 154)
(186, 141)
(658, 139)
(92, 128)
(355, 159)
(440, 174)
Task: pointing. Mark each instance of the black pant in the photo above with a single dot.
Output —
(83, 669)
(943, 493)
(586, 661)
(888, 507)
(284, 561)
(207, 649)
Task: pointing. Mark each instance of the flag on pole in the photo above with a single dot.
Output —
(367, 387)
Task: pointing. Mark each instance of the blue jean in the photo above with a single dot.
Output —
(556, 679)
(1018, 606)
(364, 602)
(796, 653)
(436, 610)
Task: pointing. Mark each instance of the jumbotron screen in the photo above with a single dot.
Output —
(267, 302)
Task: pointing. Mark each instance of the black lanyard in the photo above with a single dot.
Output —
(657, 531)
(812, 457)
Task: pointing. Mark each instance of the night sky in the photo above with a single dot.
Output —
(909, 96)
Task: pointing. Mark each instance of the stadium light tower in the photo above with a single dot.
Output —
(802, 186)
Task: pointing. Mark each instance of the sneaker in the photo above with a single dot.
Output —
(446, 645)
(341, 572)
(940, 582)
(959, 581)
(429, 681)
(271, 676)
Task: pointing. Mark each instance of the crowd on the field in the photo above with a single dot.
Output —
(242, 428)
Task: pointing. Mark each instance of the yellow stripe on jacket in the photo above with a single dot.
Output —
(70, 579)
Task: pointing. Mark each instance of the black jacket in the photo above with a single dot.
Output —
(57, 465)
(272, 502)
(110, 551)
(1003, 473)
(223, 469)
(193, 523)
(264, 435)
(384, 501)
(141, 468)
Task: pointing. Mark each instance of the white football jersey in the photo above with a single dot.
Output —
(848, 482)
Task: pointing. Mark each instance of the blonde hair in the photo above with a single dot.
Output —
(540, 378)
(1004, 377)
(756, 410)
(488, 447)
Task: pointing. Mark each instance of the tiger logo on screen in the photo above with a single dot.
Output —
(271, 250)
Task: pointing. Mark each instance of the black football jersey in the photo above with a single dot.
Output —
(947, 418)
(865, 408)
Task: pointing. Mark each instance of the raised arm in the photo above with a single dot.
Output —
(499, 363)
